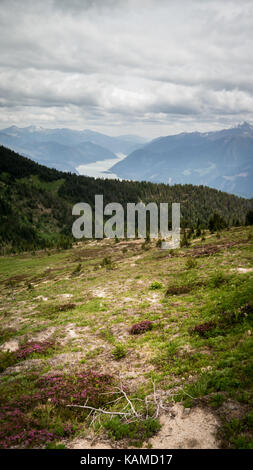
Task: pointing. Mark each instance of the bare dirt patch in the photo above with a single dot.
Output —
(188, 429)
(65, 296)
(153, 299)
(27, 365)
(244, 270)
(100, 292)
(11, 346)
(44, 334)
(79, 333)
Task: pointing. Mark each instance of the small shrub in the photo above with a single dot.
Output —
(66, 307)
(107, 262)
(156, 285)
(217, 279)
(203, 328)
(78, 269)
(178, 290)
(237, 434)
(159, 243)
(119, 352)
(7, 359)
(217, 400)
(141, 327)
(190, 263)
(136, 431)
(33, 347)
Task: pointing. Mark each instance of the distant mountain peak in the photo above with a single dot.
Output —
(245, 125)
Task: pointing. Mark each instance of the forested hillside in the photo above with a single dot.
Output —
(36, 202)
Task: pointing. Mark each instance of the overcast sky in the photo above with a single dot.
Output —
(147, 67)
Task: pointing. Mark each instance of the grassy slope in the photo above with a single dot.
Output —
(214, 370)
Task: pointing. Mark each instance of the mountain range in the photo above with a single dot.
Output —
(220, 159)
(66, 149)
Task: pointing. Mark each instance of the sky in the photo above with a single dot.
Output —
(144, 67)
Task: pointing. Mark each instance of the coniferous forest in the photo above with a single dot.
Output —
(36, 202)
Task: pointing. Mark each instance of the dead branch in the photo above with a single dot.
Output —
(130, 403)
(99, 410)
(128, 410)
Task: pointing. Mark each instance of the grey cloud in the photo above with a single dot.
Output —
(165, 65)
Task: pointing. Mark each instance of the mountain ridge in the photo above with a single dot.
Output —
(66, 149)
(220, 159)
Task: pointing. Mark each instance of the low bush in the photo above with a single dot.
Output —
(156, 285)
(107, 263)
(204, 328)
(77, 269)
(119, 352)
(7, 359)
(190, 263)
(217, 279)
(66, 307)
(141, 327)
(136, 432)
(178, 290)
(33, 347)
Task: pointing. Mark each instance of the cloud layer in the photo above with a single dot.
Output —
(149, 67)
